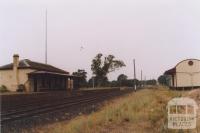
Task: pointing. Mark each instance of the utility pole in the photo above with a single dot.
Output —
(135, 87)
(141, 79)
(93, 81)
(46, 37)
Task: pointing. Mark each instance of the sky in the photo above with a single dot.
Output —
(156, 33)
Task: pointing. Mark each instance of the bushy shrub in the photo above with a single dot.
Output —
(3, 88)
(21, 88)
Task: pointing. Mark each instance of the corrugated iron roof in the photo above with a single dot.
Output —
(26, 63)
(170, 71)
(52, 73)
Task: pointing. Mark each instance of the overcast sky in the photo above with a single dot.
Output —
(157, 33)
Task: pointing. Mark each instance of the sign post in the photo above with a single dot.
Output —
(182, 113)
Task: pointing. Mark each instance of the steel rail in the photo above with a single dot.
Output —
(49, 109)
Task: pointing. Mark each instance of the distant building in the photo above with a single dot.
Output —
(34, 76)
(186, 74)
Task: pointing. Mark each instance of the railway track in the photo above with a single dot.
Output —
(13, 102)
(42, 104)
(39, 102)
(28, 110)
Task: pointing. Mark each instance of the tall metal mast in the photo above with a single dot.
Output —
(46, 37)
(135, 87)
(141, 79)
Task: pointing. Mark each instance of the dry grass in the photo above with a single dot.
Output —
(141, 112)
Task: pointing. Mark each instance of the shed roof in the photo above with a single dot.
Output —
(170, 71)
(52, 73)
(26, 63)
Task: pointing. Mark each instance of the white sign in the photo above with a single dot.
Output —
(182, 113)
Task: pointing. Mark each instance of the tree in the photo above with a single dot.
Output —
(121, 78)
(101, 68)
(82, 74)
(164, 80)
(114, 83)
(151, 82)
(94, 80)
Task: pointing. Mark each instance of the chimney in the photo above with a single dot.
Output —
(15, 70)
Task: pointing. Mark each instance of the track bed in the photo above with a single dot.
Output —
(24, 110)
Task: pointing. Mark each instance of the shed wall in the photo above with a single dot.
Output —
(188, 75)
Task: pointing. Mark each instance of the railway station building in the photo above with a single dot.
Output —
(186, 74)
(35, 76)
